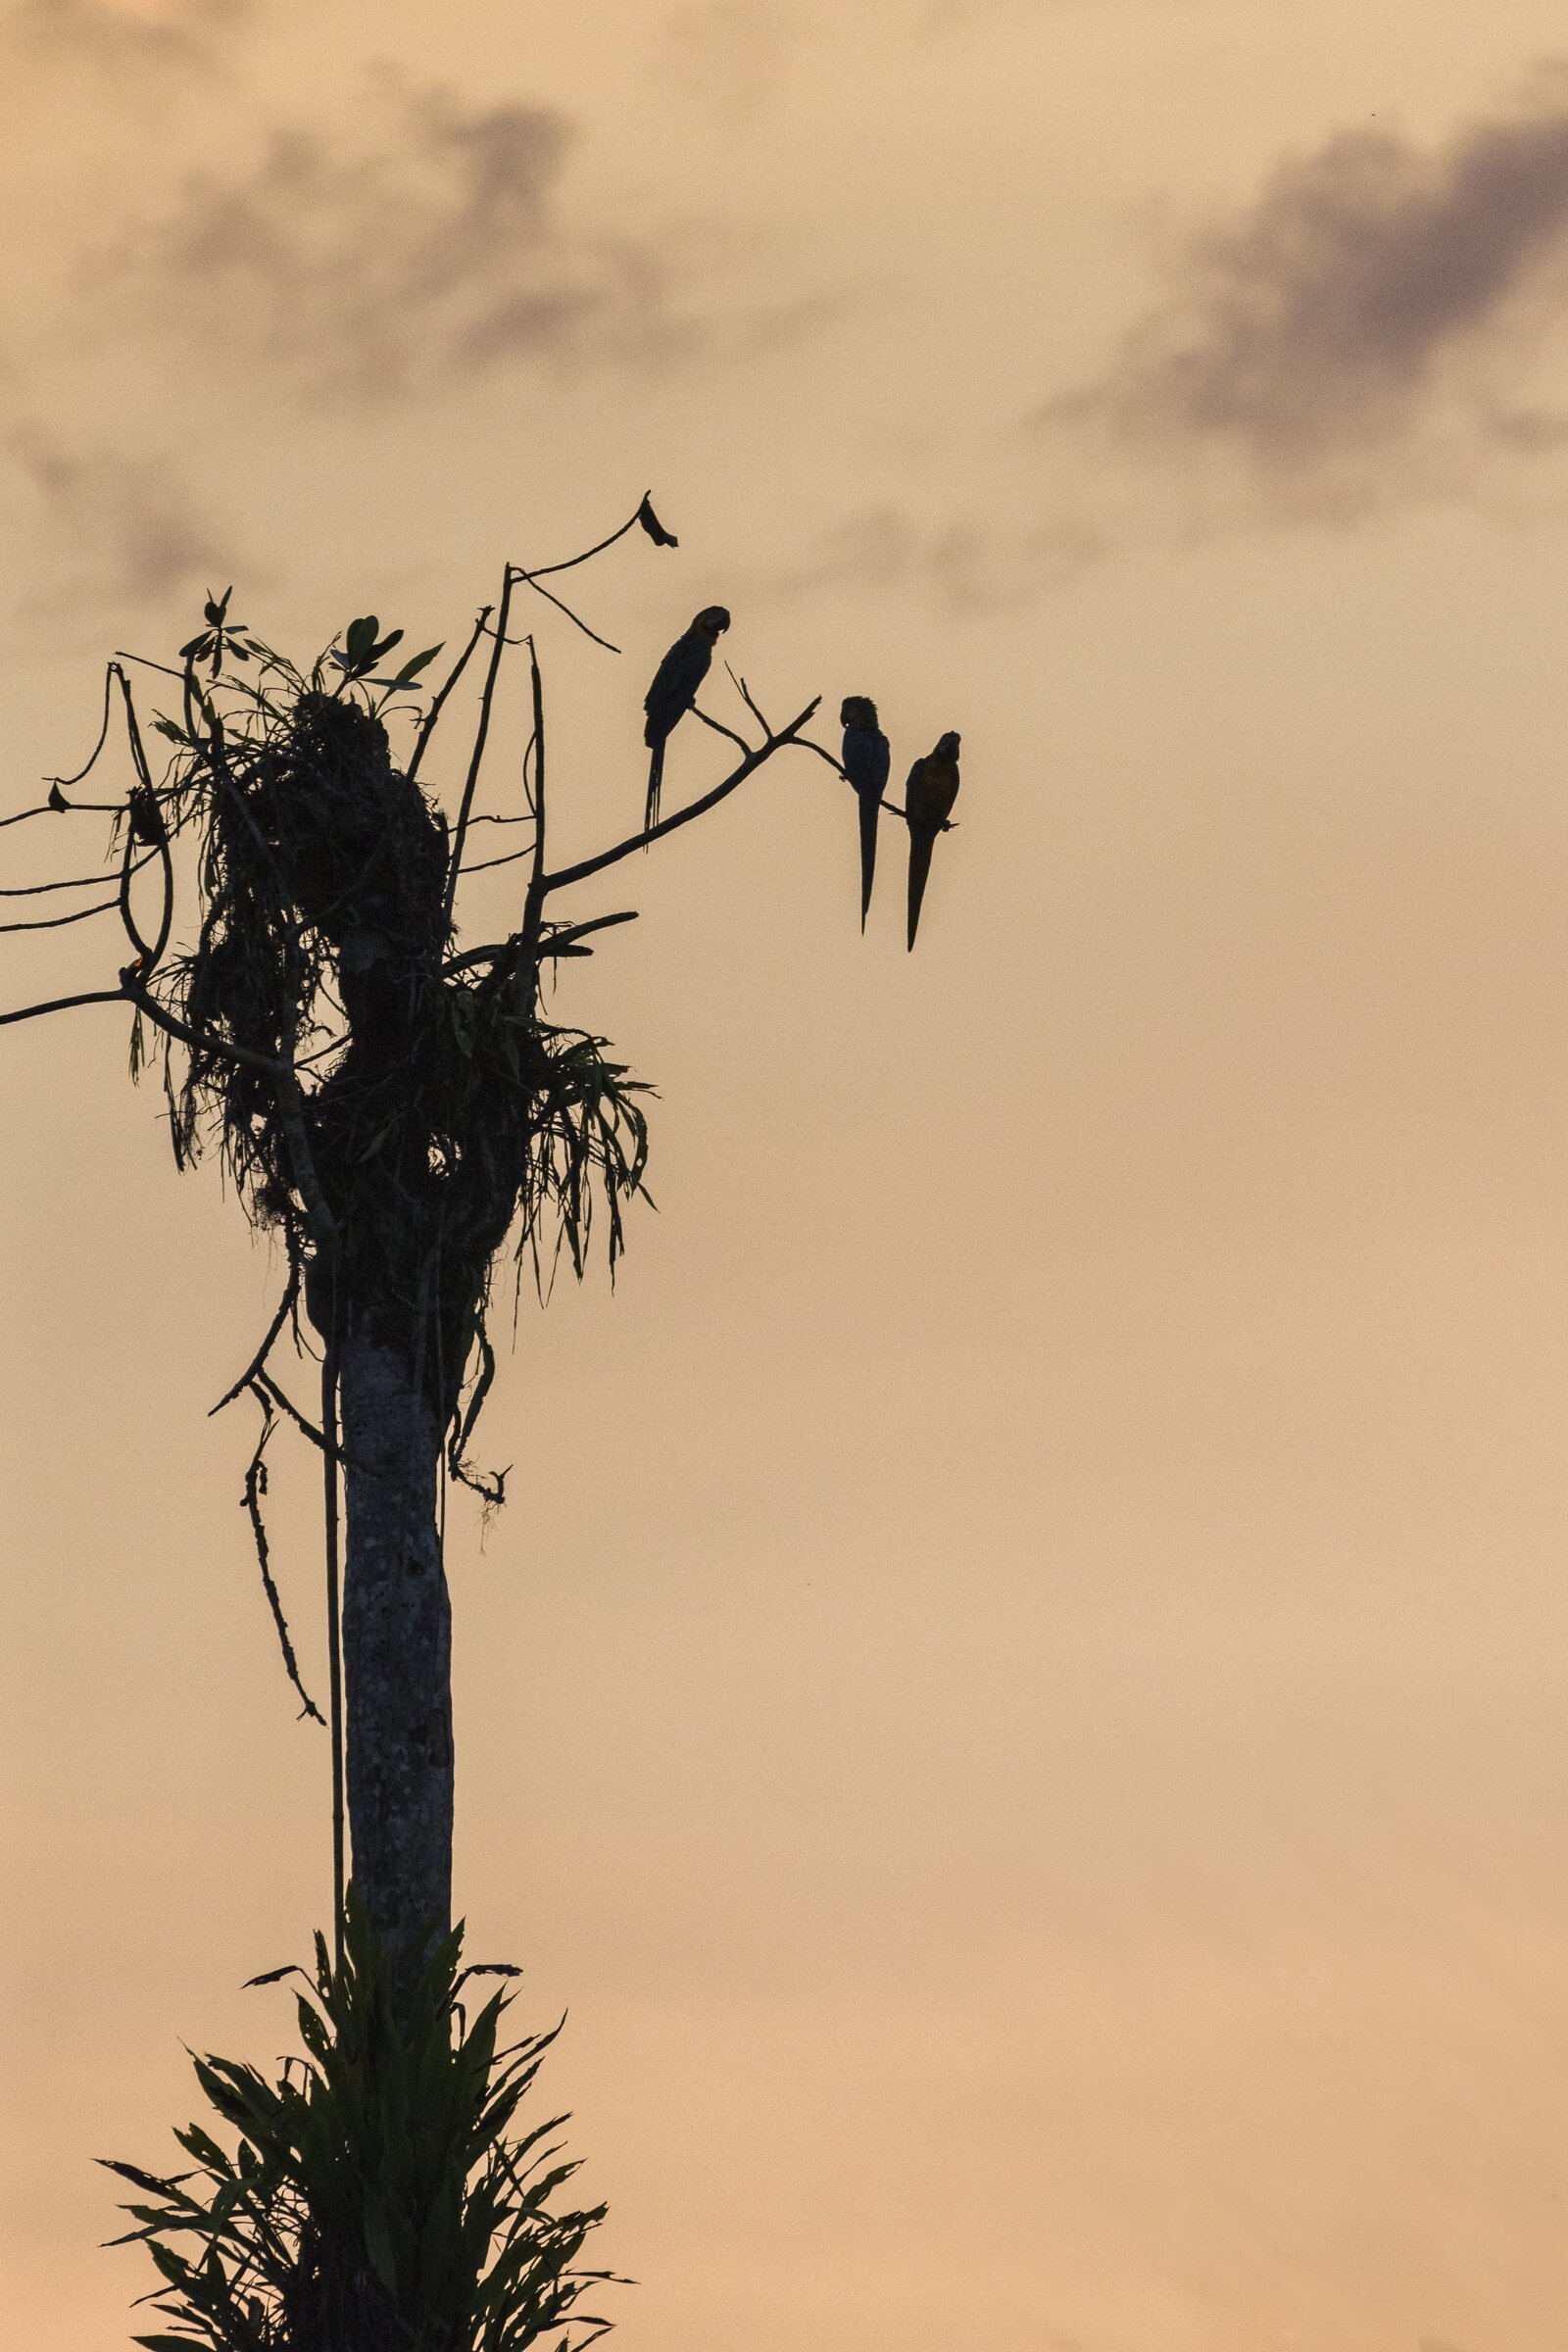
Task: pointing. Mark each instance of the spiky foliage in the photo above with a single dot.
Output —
(377, 2197)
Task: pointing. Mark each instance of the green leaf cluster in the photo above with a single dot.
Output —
(363, 647)
(377, 2197)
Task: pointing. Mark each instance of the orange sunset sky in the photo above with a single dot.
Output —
(1019, 1697)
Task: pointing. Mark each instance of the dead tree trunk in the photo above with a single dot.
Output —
(397, 1644)
(391, 1105)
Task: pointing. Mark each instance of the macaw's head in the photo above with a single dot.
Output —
(948, 748)
(857, 711)
(713, 620)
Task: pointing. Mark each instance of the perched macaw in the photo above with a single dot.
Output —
(866, 763)
(928, 799)
(674, 692)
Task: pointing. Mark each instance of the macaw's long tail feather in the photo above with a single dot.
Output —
(920, 846)
(656, 778)
(869, 809)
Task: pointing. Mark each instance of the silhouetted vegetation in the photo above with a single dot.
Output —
(377, 2194)
(396, 1108)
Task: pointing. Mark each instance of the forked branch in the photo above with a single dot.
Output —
(721, 791)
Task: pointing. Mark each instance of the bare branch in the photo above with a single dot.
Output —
(534, 904)
(64, 783)
(546, 571)
(808, 744)
(258, 1362)
(478, 956)
(166, 920)
(427, 725)
(268, 1386)
(55, 922)
(745, 693)
(720, 728)
(143, 662)
(142, 946)
(37, 890)
(564, 940)
(92, 996)
(481, 732)
(136, 993)
(133, 731)
(683, 816)
(520, 573)
(487, 865)
(255, 1488)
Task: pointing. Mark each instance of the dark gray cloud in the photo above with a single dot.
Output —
(420, 242)
(1382, 326)
(1368, 325)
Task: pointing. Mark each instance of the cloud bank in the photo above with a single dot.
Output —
(1382, 326)
(1370, 322)
(363, 268)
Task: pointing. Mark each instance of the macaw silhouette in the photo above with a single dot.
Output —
(865, 762)
(674, 692)
(928, 799)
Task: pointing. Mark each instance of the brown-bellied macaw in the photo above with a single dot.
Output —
(928, 799)
(674, 692)
(866, 763)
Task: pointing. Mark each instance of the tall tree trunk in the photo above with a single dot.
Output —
(397, 1644)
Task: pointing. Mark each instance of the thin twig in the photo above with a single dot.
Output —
(37, 890)
(427, 723)
(145, 662)
(136, 992)
(258, 1362)
(166, 922)
(745, 693)
(564, 940)
(808, 744)
(65, 782)
(572, 616)
(475, 956)
(720, 728)
(134, 732)
(307, 1429)
(255, 1488)
(91, 995)
(546, 571)
(683, 816)
(491, 1490)
(57, 923)
(481, 732)
(147, 953)
(488, 864)
(534, 904)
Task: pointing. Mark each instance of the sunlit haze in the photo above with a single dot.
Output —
(1017, 1696)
